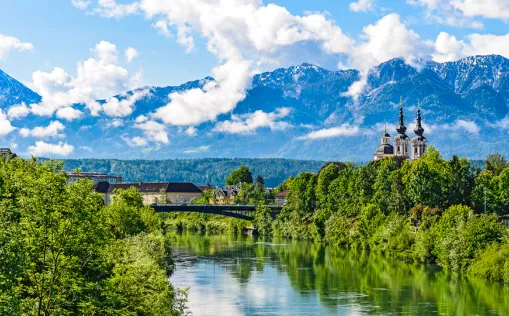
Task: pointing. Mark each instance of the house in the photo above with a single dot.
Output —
(94, 176)
(204, 188)
(281, 197)
(6, 153)
(226, 194)
(153, 192)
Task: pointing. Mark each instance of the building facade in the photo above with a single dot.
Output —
(153, 192)
(403, 146)
(94, 176)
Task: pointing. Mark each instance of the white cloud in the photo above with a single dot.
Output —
(136, 141)
(141, 119)
(153, 131)
(361, 6)
(5, 124)
(96, 78)
(342, 130)
(111, 9)
(446, 12)
(69, 113)
(191, 131)
(52, 130)
(42, 148)
(242, 34)
(196, 106)
(9, 43)
(492, 9)
(249, 123)
(80, 4)
(18, 111)
(468, 126)
(130, 54)
(163, 27)
(449, 48)
(115, 123)
(388, 38)
(115, 107)
(87, 148)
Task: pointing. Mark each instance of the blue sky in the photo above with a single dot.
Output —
(62, 35)
(74, 52)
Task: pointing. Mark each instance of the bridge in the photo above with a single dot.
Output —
(242, 211)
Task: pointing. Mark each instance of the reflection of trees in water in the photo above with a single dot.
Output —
(336, 274)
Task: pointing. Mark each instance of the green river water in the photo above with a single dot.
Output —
(239, 275)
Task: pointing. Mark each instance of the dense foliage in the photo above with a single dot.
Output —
(429, 210)
(62, 252)
(199, 171)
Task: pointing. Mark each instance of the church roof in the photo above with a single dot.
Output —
(419, 138)
(384, 149)
(401, 137)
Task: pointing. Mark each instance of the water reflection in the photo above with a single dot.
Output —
(232, 275)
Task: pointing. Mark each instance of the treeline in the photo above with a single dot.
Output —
(62, 252)
(429, 210)
(199, 171)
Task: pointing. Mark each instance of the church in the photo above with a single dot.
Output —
(402, 141)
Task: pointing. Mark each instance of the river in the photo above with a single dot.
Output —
(240, 275)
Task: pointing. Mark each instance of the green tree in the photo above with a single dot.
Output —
(495, 163)
(429, 180)
(241, 175)
(463, 181)
(262, 221)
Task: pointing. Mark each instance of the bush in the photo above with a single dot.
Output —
(461, 234)
(493, 263)
(338, 230)
(394, 237)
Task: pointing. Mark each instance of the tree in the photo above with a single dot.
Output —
(241, 175)
(429, 180)
(463, 180)
(301, 196)
(260, 181)
(495, 163)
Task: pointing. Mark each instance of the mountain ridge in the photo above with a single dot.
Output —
(473, 90)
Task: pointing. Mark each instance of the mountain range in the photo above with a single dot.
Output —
(464, 107)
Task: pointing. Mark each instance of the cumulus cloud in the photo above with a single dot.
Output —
(130, 54)
(136, 141)
(10, 43)
(52, 130)
(96, 78)
(116, 107)
(153, 131)
(494, 9)
(200, 149)
(42, 148)
(69, 113)
(242, 34)
(220, 96)
(361, 6)
(5, 124)
(388, 38)
(249, 123)
(18, 111)
(449, 48)
(342, 130)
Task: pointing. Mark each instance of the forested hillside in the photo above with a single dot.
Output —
(199, 171)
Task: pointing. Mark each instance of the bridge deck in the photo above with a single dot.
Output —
(237, 211)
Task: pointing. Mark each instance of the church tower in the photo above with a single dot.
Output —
(401, 141)
(419, 141)
(385, 149)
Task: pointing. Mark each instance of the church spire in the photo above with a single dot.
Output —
(401, 127)
(418, 127)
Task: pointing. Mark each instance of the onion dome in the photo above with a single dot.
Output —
(401, 128)
(418, 128)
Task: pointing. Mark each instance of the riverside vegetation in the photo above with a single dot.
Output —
(62, 252)
(430, 210)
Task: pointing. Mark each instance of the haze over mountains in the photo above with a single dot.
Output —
(306, 114)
